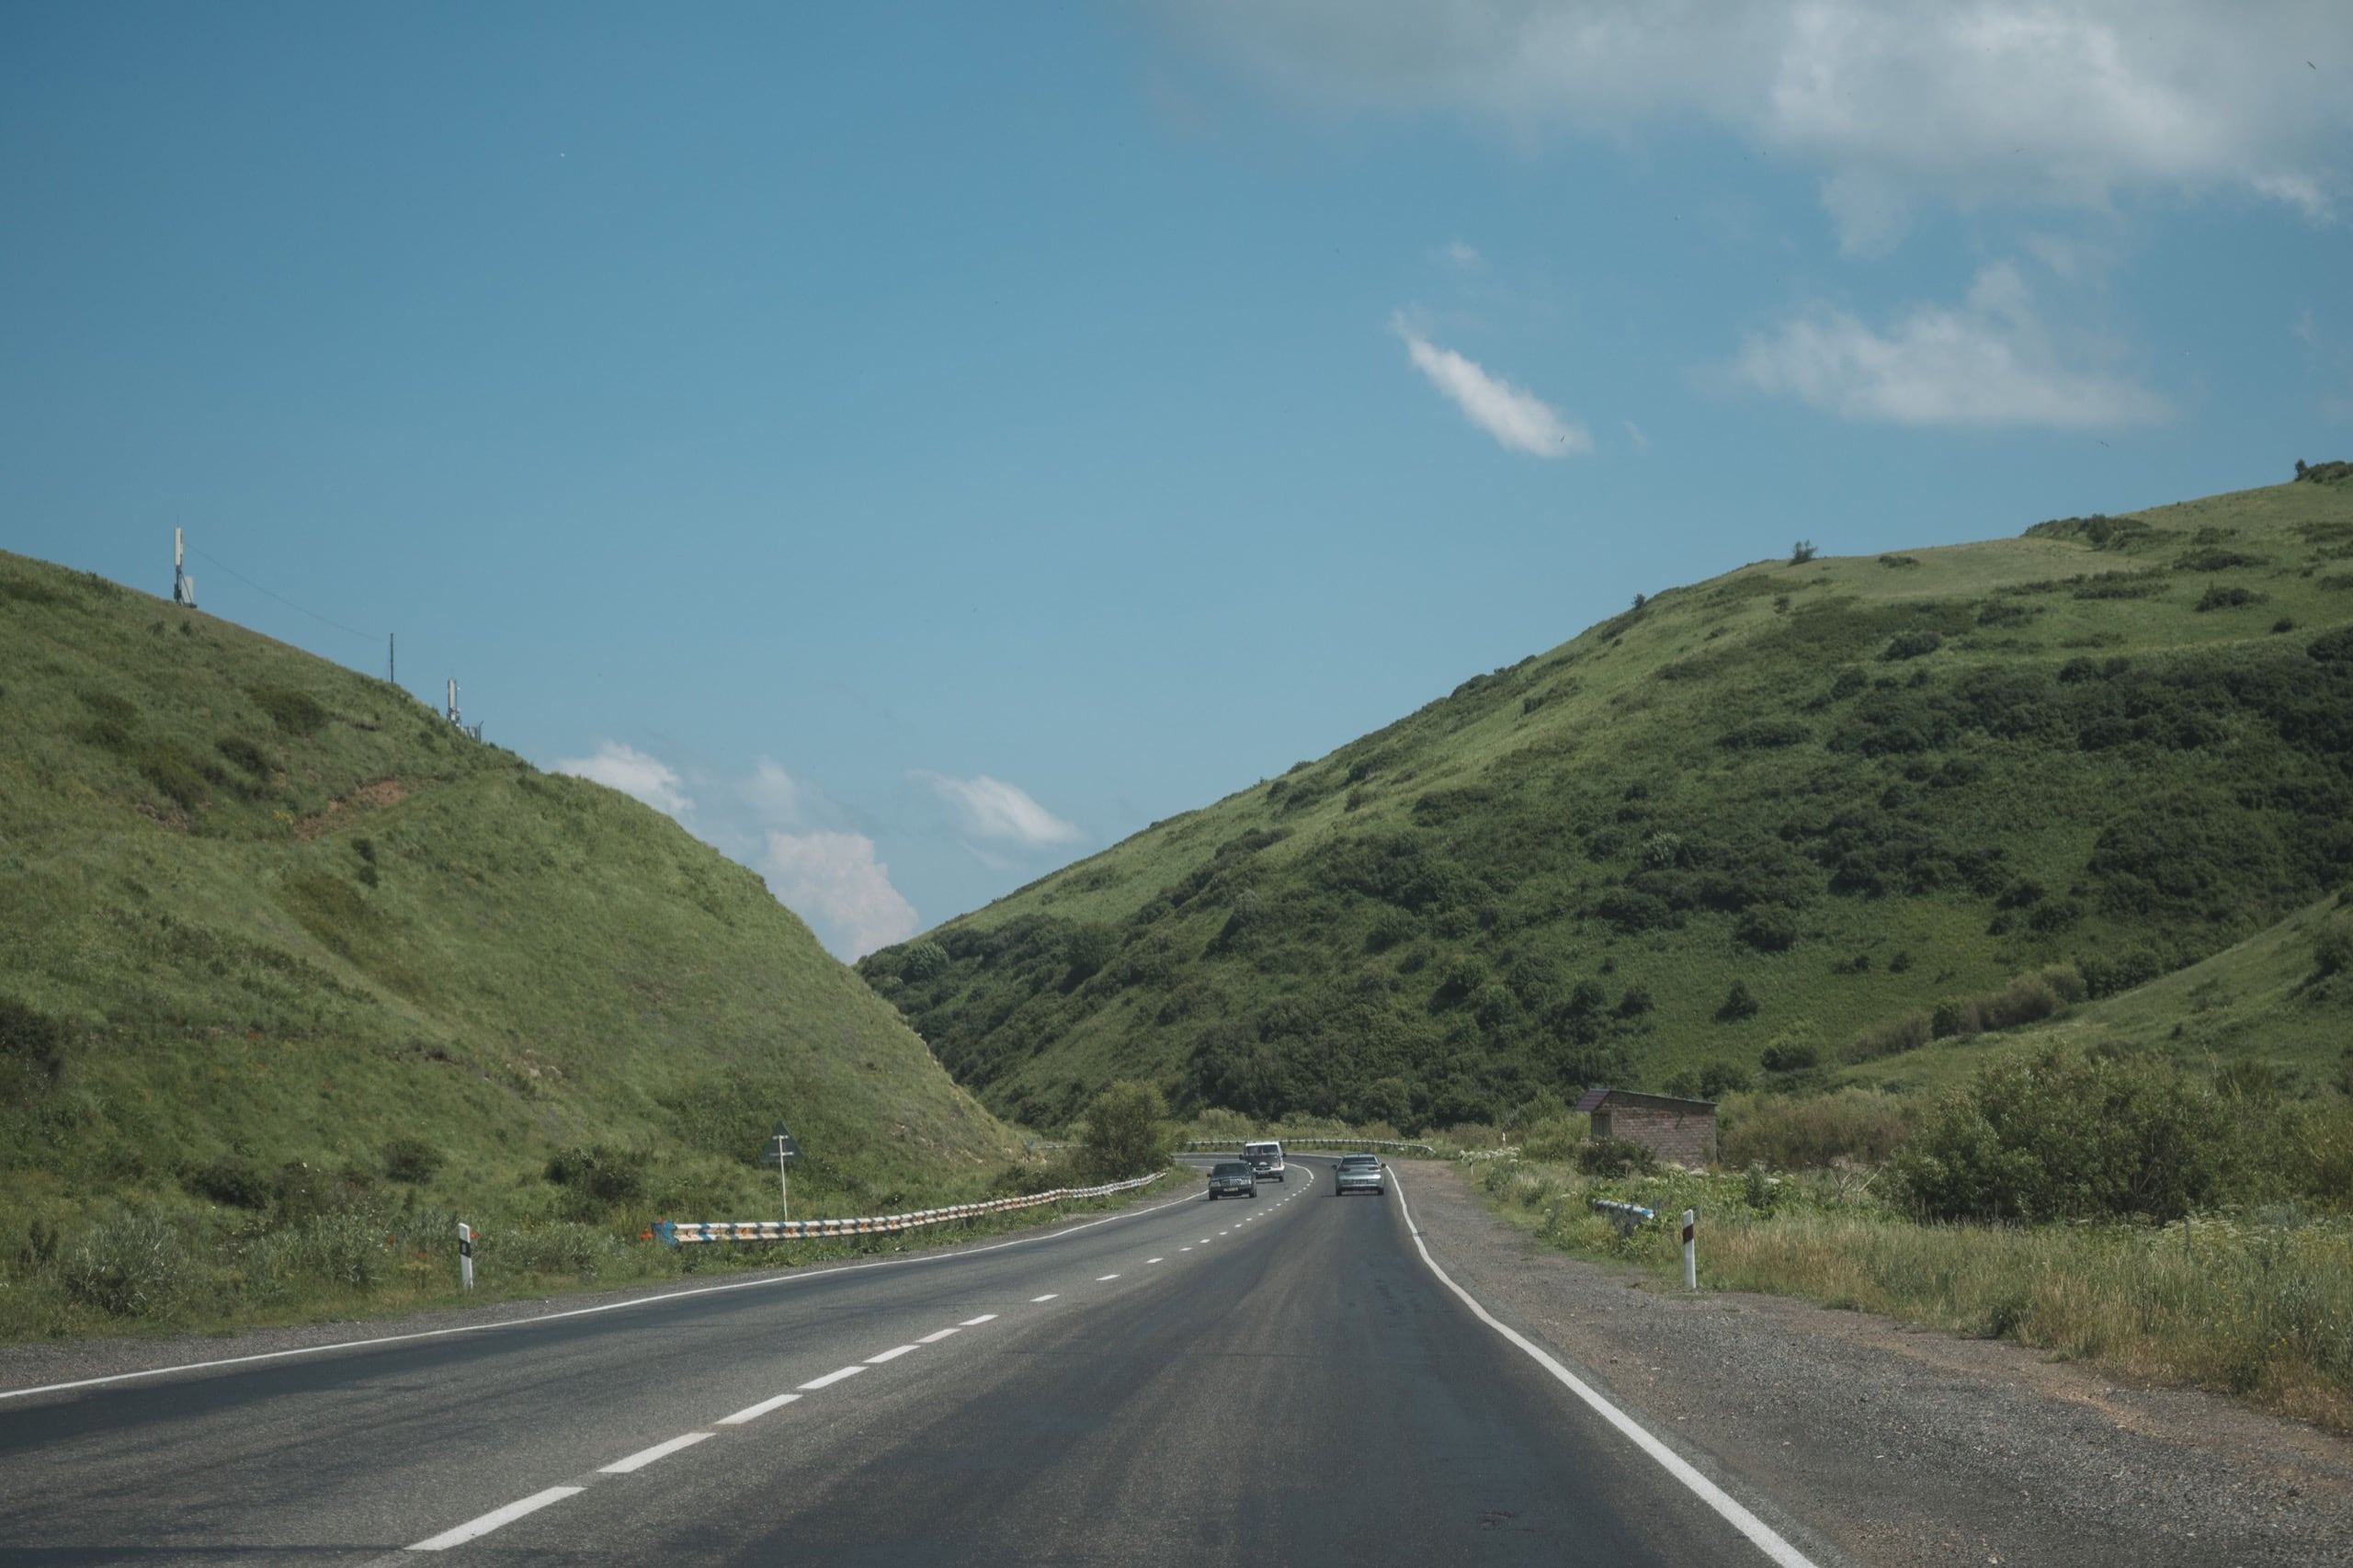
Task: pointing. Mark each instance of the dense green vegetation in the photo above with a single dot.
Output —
(292, 972)
(1815, 821)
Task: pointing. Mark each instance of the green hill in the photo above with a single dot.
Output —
(1775, 812)
(262, 917)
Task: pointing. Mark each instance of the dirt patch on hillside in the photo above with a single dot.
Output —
(367, 797)
(1878, 1443)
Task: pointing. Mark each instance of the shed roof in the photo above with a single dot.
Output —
(1598, 1099)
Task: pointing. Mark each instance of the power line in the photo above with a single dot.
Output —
(281, 599)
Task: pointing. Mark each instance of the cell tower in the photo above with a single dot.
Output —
(183, 585)
(454, 718)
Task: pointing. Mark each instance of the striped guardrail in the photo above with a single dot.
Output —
(1290, 1144)
(691, 1233)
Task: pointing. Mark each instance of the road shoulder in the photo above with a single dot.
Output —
(1910, 1447)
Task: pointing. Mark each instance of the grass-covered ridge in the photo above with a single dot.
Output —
(1765, 813)
(278, 941)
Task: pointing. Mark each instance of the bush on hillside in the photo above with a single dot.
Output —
(1768, 928)
(2060, 1136)
(411, 1159)
(231, 1179)
(1739, 1003)
(2220, 597)
(1908, 1032)
(603, 1172)
(1858, 1125)
(31, 1042)
(296, 712)
(1125, 1135)
(246, 754)
(1912, 644)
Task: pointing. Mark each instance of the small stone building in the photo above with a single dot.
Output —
(1681, 1132)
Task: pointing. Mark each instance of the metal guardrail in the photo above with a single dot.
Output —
(1289, 1143)
(691, 1232)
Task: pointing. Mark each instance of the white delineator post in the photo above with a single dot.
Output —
(783, 1191)
(1690, 1257)
(466, 1255)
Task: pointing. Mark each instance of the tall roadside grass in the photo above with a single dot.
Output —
(2257, 1304)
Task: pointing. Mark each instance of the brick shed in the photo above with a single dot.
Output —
(1680, 1131)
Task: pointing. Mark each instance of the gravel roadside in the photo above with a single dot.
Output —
(1902, 1445)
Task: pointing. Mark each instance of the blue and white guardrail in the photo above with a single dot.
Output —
(691, 1233)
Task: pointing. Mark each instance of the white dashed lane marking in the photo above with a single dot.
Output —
(830, 1378)
(1047, 1297)
(495, 1518)
(645, 1457)
(935, 1338)
(753, 1412)
(1101, 1278)
(989, 1317)
(891, 1355)
(1155, 1260)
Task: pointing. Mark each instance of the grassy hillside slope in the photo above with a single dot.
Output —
(261, 913)
(1767, 812)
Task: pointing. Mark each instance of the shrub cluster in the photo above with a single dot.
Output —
(2060, 1136)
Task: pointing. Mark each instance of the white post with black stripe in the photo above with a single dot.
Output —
(465, 1256)
(1691, 1255)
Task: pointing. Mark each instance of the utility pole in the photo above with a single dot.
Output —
(183, 585)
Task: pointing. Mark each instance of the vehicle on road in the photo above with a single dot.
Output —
(1266, 1158)
(1233, 1178)
(1360, 1173)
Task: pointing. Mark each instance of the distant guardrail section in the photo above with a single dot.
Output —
(692, 1232)
(1289, 1144)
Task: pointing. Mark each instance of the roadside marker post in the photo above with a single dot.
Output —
(781, 1151)
(1690, 1256)
(465, 1256)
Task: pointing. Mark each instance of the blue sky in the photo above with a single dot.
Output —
(919, 445)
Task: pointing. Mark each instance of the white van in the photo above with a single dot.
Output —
(1266, 1160)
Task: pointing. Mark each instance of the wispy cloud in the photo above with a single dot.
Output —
(1991, 363)
(1464, 255)
(989, 808)
(2029, 103)
(835, 878)
(633, 772)
(1517, 418)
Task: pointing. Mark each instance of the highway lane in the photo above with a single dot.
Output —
(1275, 1381)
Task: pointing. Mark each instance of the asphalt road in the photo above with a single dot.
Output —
(1276, 1382)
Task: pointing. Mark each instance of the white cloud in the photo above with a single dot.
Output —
(1634, 434)
(1991, 363)
(1465, 257)
(2035, 102)
(989, 808)
(633, 773)
(834, 879)
(1518, 419)
(774, 795)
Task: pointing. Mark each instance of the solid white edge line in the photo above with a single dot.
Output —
(753, 1412)
(1760, 1534)
(830, 1378)
(645, 1457)
(984, 1317)
(891, 1355)
(779, 1278)
(936, 1338)
(496, 1517)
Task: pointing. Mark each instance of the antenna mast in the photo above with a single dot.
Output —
(183, 585)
